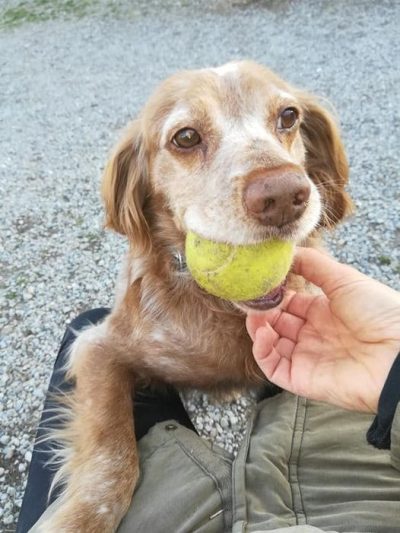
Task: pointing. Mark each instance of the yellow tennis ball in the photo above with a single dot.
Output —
(238, 272)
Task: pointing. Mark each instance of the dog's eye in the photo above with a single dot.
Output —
(288, 118)
(186, 138)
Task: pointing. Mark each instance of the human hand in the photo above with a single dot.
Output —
(337, 346)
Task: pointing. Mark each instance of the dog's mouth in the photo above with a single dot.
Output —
(268, 301)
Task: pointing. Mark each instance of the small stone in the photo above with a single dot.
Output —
(9, 452)
(233, 420)
(224, 422)
(4, 439)
(8, 519)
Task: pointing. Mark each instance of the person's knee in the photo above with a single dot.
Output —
(82, 321)
(88, 318)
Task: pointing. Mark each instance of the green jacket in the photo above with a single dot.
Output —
(303, 467)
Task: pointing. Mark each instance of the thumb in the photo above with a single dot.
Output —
(323, 271)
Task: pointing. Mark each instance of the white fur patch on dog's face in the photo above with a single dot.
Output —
(236, 117)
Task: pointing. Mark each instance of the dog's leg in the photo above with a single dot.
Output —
(101, 466)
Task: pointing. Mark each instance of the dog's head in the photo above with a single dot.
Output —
(235, 154)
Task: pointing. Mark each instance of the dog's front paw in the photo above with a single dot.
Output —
(90, 504)
(82, 517)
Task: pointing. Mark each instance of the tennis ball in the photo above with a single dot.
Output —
(238, 272)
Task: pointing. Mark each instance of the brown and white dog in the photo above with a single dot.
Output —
(237, 155)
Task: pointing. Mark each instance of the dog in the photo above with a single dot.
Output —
(237, 155)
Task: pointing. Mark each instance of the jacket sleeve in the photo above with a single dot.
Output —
(395, 438)
(384, 432)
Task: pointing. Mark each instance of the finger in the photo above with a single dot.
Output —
(323, 270)
(255, 320)
(294, 303)
(288, 325)
(265, 339)
(287, 319)
(268, 344)
(273, 365)
(299, 304)
(285, 347)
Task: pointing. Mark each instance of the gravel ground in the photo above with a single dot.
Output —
(72, 74)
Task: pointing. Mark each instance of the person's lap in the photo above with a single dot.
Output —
(307, 462)
(303, 465)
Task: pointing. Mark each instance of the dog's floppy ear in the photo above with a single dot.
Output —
(326, 161)
(125, 187)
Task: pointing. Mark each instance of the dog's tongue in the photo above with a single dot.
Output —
(268, 301)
